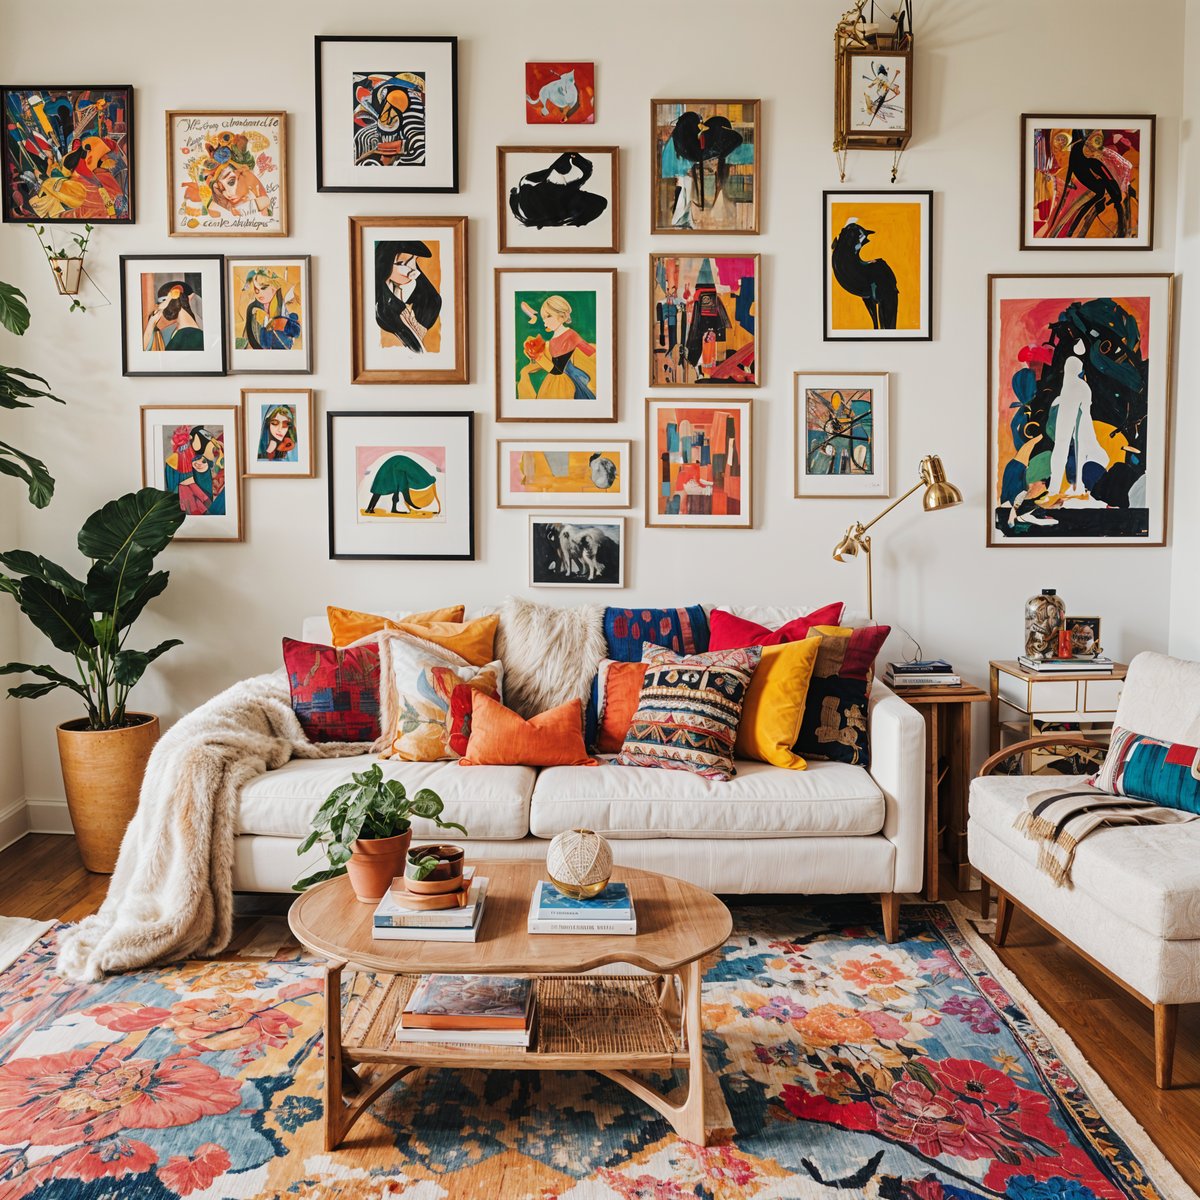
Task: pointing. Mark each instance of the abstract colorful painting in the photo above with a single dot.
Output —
(1079, 385)
(172, 315)
(878, 266)
(556, 473)
(560, 93)
(705, 166)
(1087, 182)
(842, 434)
(558, 199)
(227, 173)
(878, 97)
(564, 552)
(277, 432)
(389, 118)
(699, 469)
(704, 320)
(270, 316)
(67, 154)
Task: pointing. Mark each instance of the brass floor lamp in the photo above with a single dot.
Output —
(939, 493)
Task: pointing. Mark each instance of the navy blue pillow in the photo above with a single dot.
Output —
(684, 630)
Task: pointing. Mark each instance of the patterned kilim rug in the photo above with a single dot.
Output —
(843, 1067)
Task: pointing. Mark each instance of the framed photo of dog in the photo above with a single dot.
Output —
(570, 552)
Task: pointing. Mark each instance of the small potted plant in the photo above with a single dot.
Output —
(365, 831)
(67, 266)
(434, 870)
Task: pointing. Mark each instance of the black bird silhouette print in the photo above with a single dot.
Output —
(555, 196)
(871, 279)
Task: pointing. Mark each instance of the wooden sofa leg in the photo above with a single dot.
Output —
(1166, 1020)
(891, 916)
(1004, 912)
(985, 898)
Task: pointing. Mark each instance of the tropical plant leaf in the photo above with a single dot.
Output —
(32, 691)
(14, 391)
(57, 678)
(26, 563)
(38, 481)
(136, 523)
(14, 312)
(114, 586)
(65, 620)
(130, 665)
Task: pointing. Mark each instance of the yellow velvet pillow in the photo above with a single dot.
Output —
(774, 707)
(473, 640)
(501, 737)
(348, 626)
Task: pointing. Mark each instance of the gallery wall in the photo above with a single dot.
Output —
(978, 66)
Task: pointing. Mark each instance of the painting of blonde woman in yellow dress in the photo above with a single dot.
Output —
(556, 358)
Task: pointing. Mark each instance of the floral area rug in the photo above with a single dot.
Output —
(842, 1067)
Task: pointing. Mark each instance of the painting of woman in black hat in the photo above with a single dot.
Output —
(408, 304)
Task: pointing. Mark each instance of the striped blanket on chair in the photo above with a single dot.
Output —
(1060, 818)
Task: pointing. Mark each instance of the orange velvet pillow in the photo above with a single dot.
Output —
(502, 738)
(620, 689)
(348, 626)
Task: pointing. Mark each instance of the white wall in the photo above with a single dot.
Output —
(12, 783)
(978, 67)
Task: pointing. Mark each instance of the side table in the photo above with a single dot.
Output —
(947, 713)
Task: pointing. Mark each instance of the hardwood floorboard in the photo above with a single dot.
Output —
(42, 876)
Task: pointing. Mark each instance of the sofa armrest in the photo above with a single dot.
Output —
(897, 733)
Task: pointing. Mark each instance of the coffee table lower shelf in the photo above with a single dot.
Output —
(612, 1024)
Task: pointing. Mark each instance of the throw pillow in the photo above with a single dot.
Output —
(503, 738)
(473, 641)
(727, 631)
(462, 700)
(418, 680)
(684, 630)
(348, 626)
(774, 709)
(1147, 768)
(618, 689)
(835, 711)
(335, 692)
(688, 711)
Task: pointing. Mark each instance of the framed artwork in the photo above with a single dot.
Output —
(270, 315)
(67, 153)
(1085, 635)
(563, 473)
(1079, 387)
(566, 552)
(560, 93)
(704, 173)
(194, 451)
(172, 314)
(278, 435)
(842, 433)
(705, 320)
(558, 199)
(387, 114)
(408, 299)
(556, 344)
(227, 174)
(401, 485)
(699, 464)
(1087, 182)
(878, 97)
(878, 266)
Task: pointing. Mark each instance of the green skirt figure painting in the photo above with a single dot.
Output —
(400, 482)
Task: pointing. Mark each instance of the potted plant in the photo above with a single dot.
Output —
(67, 267)
(104, 753)
(434, 870)
(365, 830)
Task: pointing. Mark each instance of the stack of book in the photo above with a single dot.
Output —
(481, 1010)
(922, 672)
(1068, 666)
(403, 917)
(610, 912)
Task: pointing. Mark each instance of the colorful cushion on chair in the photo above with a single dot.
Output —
(335, 692)
(726, 632)
(1146, 768)
(684, 630)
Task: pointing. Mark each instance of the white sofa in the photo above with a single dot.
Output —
(832, 828)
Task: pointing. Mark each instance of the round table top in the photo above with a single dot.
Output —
(677, 924)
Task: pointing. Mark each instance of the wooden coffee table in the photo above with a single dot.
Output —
(613, 1024)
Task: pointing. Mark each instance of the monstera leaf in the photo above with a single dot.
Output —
(14, 312)
(136, 524)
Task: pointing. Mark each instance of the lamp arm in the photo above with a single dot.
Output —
(900, 500)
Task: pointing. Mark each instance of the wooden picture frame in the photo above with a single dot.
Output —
(565, 552)
(520, 315)
(258, 169)
(1047, 170)
(859, 125)
(394, 360)
(855, 428)
(253, 434)
(158, 471)
(283, 298)
(207, 282)
(554, 212)
(603, 470)
(667, 197)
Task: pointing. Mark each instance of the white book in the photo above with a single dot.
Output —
(466, 1037)
(575, 927)
(425, 933)
(391, 913)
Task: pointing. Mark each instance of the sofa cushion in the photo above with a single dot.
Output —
(760, 801)
(684, 630)
(334, 693)
(1147, 874)
(492, 804)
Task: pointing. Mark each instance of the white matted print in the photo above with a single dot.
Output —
(172, 314)
(277, 433)
(558, 199)
(841, 434)
(194, 452)
(387, 114)
(270, 315)
(561, 473)
(567, 552)
(401, 485)
(878, 92)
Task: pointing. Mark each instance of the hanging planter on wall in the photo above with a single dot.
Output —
(66, 266)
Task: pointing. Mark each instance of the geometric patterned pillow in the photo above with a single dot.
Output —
(335, 693)
(688, 711)
(1148, 768)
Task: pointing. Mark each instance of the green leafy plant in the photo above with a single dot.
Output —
(422, 868)
(368, 806)
(57, 255)
(90, 618)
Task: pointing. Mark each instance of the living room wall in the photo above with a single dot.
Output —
(977, 68)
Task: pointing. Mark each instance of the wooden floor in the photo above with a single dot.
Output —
(41, 876)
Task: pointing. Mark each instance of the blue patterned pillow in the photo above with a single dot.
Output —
(684, 630)
(1148, 768)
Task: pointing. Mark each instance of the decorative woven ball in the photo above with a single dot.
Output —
(579, 863)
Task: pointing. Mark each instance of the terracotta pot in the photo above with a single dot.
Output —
(444, 878)
(374, 863)
(102, 772)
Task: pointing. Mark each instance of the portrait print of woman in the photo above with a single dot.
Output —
(195, 470)
(565, 361)
(225, 179)
(277, 440)
(270, 320)
(408, 304)
(174, 322)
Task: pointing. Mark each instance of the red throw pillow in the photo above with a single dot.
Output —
(335, 693)
(462, 700)
(727, 632)
(503, 738)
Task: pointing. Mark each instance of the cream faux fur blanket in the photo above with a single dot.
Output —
(171, 895)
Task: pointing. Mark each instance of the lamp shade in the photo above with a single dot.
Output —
(846, 548)
(939, 491)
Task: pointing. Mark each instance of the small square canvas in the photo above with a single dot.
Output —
(560, 93)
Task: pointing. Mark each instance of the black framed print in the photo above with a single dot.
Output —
(172, 314)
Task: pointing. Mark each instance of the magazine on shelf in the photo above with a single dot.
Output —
(466, 1037)
(473, 1002)
(393, 913)
(922, 680)
(922, 666)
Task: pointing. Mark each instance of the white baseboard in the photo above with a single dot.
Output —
(14, 823)
(49, 816)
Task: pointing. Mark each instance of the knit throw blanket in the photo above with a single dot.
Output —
(171, 894)
(1059, 819)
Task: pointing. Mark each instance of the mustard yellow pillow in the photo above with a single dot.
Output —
(348, 626)
(473, 640)
(774, 707)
